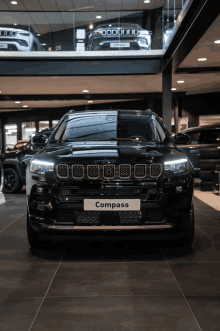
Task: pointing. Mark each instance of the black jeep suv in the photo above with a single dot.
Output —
(109, 175)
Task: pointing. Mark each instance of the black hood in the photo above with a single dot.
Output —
(113, 151)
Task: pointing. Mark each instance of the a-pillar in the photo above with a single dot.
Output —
(167, 97)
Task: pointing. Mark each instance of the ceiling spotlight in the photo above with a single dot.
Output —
(109, 25)
(202, 59)
(15, 23)
(91, 26)
(17, 101)
(217, 42)
(14, 2)
(90, 101)
(38, 34)
(25, 106)
(180, 81)
(43, 44)
(146, 1)
(0, 91)
(98, 16)
(85, 91)
(173, 89)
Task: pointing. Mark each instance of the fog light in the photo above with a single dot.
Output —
(40, 190)
(179, 189)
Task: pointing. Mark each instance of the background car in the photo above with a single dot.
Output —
(20, 144)
(19, 38)
(15, 162)
(203, 150)
(117, 36)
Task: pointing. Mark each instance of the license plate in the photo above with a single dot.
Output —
(116, 45)
(3, 46)
(112, 204)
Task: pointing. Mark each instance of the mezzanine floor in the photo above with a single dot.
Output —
(109, 286)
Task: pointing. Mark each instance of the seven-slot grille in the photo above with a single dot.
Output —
(110, 171)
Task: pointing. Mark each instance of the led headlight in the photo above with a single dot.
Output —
(176, 166)
(41, 167)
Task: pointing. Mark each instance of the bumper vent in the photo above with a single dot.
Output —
(64, 218)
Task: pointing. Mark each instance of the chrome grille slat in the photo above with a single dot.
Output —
(155, 170)
(93, 171)
(62, 170)
(78, 171)
(125, 171)
(109, 171)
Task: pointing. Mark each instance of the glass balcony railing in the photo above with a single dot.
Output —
(139, 29)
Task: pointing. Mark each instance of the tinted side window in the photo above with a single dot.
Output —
(211, 136)
(194, 137)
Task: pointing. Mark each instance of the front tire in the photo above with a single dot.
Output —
(188, 230)
(12, 182)
(33, 239)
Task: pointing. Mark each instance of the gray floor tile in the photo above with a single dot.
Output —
(115, 313)
(17, 314)
(202, 279)
(113, 279)
(206, 311)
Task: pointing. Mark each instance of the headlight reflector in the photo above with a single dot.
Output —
(41, 167)
(176, 166)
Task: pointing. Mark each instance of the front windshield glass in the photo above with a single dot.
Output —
(110, 125)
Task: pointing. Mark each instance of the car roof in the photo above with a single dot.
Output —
(125, 111)
(203, 127)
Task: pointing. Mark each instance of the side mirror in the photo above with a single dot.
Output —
(181, 139)
(39, 140)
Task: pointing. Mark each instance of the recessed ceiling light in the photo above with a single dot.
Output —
(173, 89)
(25, 106)
(217, 42)
(91, 26)
(15, 23)
(146, 1)
(0, 91)
(90, 101)
(14, 2)
(98, 16)
(180, 81)
(109, 25)
(38, 34)
(43, 44)
(85, 91)
(202, 59)
(17, 101)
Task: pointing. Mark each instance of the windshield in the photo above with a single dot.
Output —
(110, 125)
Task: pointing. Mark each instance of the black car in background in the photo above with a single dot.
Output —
(110, 175)
(20, 145)
(15, 162)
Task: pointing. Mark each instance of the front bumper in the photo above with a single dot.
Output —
(134, 44)
(14, 45)
(163, 211)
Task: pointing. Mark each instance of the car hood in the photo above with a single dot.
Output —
(92, 151)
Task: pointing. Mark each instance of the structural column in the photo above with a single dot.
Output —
(1, 137)
(167, 96)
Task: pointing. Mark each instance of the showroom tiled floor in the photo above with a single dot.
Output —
(109, 286)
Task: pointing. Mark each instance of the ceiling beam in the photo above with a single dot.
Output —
(199, 17)
(198, 70)
(86, 96)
